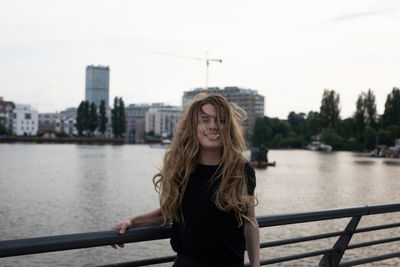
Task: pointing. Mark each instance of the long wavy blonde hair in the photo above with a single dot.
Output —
(182, 157)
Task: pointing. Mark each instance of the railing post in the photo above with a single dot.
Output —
(332, 259)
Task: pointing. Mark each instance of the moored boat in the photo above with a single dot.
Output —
(262, 164)
(164, 144)
(318, 146)
(259, 157)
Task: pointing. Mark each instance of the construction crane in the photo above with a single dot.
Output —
(206, 59)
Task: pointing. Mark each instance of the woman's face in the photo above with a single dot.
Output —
(208, 130)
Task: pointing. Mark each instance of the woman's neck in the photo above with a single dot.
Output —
(209, 157)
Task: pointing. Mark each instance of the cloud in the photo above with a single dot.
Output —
(362, 14)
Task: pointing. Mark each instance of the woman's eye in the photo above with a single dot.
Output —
(205, 119)
(222, 120)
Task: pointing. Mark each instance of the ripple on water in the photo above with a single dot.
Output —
(64, 189)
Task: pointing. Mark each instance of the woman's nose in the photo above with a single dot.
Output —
(213, 124)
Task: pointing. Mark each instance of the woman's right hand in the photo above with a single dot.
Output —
(152, 218)
(122, 227)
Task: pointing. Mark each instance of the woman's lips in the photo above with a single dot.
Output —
(212, 135)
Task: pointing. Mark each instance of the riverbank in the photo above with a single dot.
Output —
(62, 140)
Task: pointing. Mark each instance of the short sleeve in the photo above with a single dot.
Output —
(250, 177)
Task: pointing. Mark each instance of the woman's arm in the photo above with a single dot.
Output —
(152, 218)
(252, 235)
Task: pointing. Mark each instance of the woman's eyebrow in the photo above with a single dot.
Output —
(203, 114)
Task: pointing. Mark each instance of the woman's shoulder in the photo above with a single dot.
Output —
(248, 166)
(250, 177)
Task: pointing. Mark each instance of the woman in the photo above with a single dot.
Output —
(206, 188)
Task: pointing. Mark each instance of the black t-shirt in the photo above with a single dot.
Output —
(209, 234)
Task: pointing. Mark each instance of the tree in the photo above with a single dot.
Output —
(103, 118)
(80, 118)
(280, 127)
(370, 138)
(392, 133)
(383, 138)
(3, 129)
(262, 132)
(329, 111)
(391, 116)
(313, 123)
(118, 122)
(370, 108)
(86, 115)
(92, 118)
(365, 115)
(150, 133)
(347, 128)
(359, 115)
(122, 120)
(330, 137)
(114, 118)
(297, 122)
(83, 119)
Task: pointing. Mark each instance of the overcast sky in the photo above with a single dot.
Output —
(288, 51)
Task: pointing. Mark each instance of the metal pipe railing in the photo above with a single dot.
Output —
(84, 240)
(296, 257)
(369, 260)
(284, 219)
(375, 228)
(142, 262)
(26, 246)
(300, 239)
(373, 243)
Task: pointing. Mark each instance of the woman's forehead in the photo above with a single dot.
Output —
(210, 110)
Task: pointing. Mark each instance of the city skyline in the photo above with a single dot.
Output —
(288, 51)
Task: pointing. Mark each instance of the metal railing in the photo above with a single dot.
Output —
(330, 256)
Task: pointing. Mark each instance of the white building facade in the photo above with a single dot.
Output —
(66, 125)
(162, 120)
(47, 122)
(57, 122)
(135, 122)
(25, 120)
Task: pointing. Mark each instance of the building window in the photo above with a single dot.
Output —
(27, 116)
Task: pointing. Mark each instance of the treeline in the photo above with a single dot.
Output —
(365, 129)
(89, 119)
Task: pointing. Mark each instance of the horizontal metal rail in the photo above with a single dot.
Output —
(142, 262)
(375, 228)
(77, 241)
(296, 257)
(373, 243)
(300, 239)
(85, 240)
(329, 235)
(371, 259)
(275, 220)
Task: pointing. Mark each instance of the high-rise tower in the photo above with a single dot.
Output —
(97, 84)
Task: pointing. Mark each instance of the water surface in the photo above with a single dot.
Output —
(63, 189)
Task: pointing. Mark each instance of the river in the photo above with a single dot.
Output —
(64, 189)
